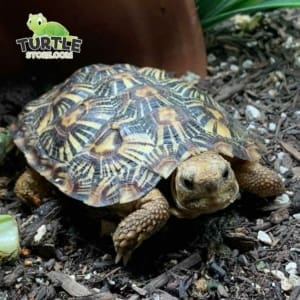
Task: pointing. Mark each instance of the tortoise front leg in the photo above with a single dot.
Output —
(151, 214)
(259, 180)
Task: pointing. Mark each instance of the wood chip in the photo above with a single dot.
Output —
(140, 291)
(291, 150)
(11, 278)
(227, 91)
(71, 286)
(163, 278)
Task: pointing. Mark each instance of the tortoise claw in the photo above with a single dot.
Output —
(123, 256)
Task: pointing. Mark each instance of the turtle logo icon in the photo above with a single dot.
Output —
(50, 40)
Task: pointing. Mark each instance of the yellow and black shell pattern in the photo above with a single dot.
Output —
(108, 134)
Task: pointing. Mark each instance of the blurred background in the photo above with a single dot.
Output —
(162, 33)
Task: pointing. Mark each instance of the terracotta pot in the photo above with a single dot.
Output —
(159, 33)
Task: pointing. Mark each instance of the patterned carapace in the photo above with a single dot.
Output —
(108, 134)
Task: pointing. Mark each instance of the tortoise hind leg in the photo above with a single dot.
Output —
(259, 180)
(150, 216)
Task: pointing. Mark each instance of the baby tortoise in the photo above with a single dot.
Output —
(108, 134)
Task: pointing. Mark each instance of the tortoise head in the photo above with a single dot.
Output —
(203, 184)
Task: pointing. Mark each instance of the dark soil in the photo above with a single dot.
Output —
(214, 257)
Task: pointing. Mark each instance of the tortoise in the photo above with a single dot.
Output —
(109, 134)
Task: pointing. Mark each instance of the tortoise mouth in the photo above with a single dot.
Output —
(204, 205)
(208, 203)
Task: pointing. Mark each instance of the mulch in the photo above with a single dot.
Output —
(213, 257)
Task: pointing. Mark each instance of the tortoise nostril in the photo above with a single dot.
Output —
(210, 186)
(225, 173)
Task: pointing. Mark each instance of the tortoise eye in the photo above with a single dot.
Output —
(225, 173)
(188, 183)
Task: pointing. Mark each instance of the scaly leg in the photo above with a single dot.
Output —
(151, 214)
(259, 180)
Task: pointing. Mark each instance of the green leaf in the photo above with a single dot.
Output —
(9, 238)
(215, 11)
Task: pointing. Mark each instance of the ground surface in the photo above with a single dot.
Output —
(255, 74)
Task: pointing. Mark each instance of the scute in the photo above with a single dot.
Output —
(108, 134)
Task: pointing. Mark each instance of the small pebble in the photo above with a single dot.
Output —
(281, 155)
(247, 64)
(252, 113)
(261, 130)
(111, 282)
(236, 115)
(289, 42)
(283, 170)
(264, 237)
(291, 268)
(243, 260)
(39, 281)
(234, 68)
(259, 222)
(268, 141)
(272, 127)
(282, 199)
(232, 59)
(27, 263)
(283, 116)
(296, 216)
(73, 276)
(224, 65)
(222, 291)
(241, 20)
(40, 233)
(251, 44)
(279, 75)
(272, 93)
(297, 113)
(211, 58)
(272, 157)
(251, 127)
(289, 193)
(297, 61)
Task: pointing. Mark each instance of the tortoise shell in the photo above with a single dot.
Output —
(108, 134)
